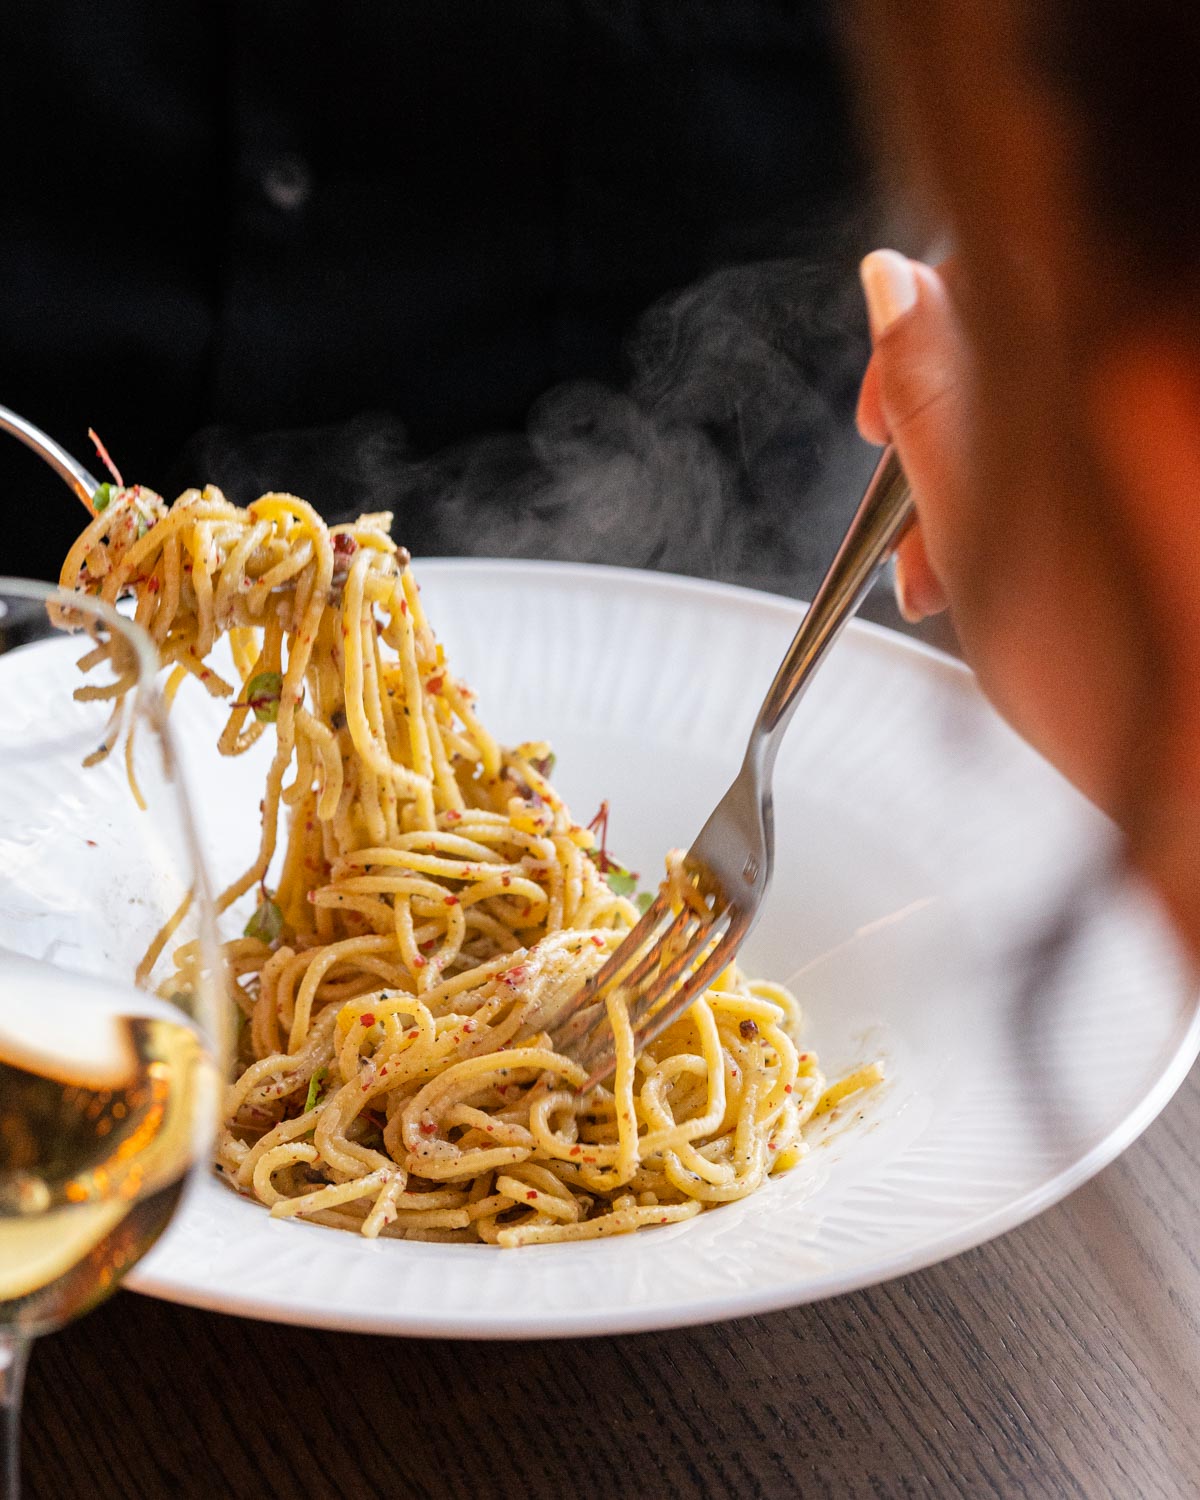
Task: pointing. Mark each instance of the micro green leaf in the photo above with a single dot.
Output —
(314, 1088)
(621, 882)
(263, 693)
(266, 923)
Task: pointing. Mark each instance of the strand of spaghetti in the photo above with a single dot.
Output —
(277, 1160)
(861, 1078)
(163, 937)
(622, 1221)
(625, 1051)
(332, 1196)
(544, 1205)
(414, 701)
(318, 966)
(371, 753)
(669, 1134)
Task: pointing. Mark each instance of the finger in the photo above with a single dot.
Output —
(872, 424)
(869, 417)
(919, 376)
(915, 336)
(919, 591)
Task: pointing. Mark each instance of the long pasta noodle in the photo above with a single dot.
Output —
(435, 898)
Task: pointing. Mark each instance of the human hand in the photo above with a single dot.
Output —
(1028, 614)
(913, 395)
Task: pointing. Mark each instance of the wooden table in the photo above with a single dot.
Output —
(1062, 1360)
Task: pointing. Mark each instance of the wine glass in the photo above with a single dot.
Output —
(111, 995)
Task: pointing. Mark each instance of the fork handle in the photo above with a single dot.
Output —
(879, 523)
(68, 469)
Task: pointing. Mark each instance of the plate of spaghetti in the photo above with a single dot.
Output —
(426, 794)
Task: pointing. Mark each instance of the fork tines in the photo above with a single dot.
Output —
(660, 968)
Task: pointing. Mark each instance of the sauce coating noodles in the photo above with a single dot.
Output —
(435, 896)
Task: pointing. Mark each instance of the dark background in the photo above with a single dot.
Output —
(325, 248)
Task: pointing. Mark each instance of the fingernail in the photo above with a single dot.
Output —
(890, 286)
(904, 600)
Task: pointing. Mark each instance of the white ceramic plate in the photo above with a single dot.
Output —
(922, 851)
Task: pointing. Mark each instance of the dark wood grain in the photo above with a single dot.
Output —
(1063, 1360)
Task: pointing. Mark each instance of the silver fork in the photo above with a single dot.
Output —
(68, 469)
(669, 958)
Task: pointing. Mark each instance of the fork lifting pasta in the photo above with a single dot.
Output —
(434, 897)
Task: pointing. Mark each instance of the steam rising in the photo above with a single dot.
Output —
(729, 454)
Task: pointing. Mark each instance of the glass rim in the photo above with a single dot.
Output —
(143, 647)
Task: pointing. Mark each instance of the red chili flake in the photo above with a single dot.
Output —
(770, 1145)
(506, 880)
(468, 1025)
(435, 684)
(428, 1127)
(491, 1127)
(803, 1057)
(664, 1220)
(152, 586)
(416, 1031)
(748, 1028)
(531, 1195)
(575, 1150)
(420, 962)
(367, 1018)
(589, 1158)
(787, 1088)
(451, 900)
(344, 545)
(92, 844)
(453, 817)
(598, 941)
(404, 606)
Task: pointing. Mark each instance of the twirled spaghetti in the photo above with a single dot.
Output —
(434, 895)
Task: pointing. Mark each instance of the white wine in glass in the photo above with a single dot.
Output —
(110, 981)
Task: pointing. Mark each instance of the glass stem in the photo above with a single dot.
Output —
(14, 1356)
